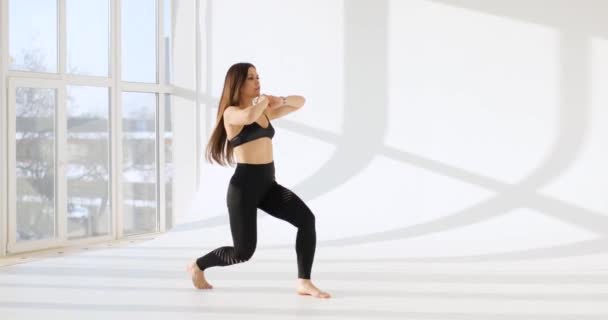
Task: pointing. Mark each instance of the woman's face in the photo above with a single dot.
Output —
(251, 87)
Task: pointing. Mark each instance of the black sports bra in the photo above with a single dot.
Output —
(252, 132)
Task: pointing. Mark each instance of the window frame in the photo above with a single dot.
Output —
(61, 80)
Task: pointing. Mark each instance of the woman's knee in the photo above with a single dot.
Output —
(308, 219)
(245, 253)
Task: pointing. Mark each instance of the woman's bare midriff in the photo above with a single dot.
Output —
(258, 151)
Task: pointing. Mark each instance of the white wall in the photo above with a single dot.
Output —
(184, 106)
(444, 128)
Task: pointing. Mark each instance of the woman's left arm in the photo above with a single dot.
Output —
(281, 106)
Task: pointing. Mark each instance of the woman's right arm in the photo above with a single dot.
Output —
(237, 116)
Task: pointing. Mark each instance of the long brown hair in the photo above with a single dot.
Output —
(218, 148)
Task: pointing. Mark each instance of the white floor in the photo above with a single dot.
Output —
(146, 280)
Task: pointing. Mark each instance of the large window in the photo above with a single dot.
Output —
(33, 35)
(139, 162)
(89, 153)
(35, 111)
(88, 169)
(88, 30)
(139, 41)
(169, 164)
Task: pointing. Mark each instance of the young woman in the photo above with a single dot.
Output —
(243, 129)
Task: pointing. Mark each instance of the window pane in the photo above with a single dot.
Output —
(33, 35)
(169, 171)
(35, 163)
(88, 170)
(139, 162)
(88, 31)
(167, 28)
(139, 41)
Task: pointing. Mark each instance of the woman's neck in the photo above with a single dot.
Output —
(246, 101)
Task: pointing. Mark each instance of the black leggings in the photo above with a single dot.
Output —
(251, 187)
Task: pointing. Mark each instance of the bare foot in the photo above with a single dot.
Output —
(198, 277)
(305, 287)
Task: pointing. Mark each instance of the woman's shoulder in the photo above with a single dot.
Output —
(231, 108)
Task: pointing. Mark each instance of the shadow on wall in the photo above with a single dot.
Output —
(365, 52)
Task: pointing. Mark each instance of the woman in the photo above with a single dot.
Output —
(243, 129)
